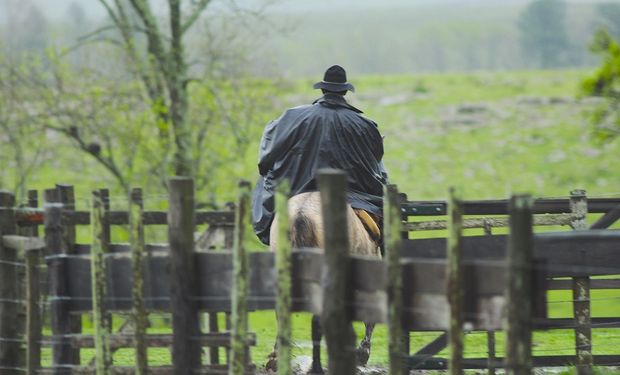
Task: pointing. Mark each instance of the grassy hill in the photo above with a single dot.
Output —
(490, 133)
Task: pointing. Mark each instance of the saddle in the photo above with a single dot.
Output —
(371, 223)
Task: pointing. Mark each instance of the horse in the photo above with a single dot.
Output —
(306, 230)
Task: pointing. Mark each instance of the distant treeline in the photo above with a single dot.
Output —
(390, 38)
(462, 36)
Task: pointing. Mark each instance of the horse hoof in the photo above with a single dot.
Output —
(363, 353)
(272, 363)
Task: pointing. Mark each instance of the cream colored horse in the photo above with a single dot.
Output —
(307, 231)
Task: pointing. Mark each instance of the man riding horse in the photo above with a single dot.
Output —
(329, 133)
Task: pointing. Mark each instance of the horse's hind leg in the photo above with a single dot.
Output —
(317, 333)
(363, 351)
(272, 359)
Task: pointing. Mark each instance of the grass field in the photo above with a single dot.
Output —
(490, 134)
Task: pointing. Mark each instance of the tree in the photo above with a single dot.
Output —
(605, 83)
(161, 66)
(20, 152)
(543, 36)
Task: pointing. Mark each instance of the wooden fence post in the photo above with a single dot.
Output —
(239, 308)
(33, 311)
(581, 292)
(65, 194)
(336, 317)
(10, 304)
(185, 321)
(283, 267)
(98, 274)
(136, 225)
(455, 284)
(393, 242)
(63, 354)
(518, 300)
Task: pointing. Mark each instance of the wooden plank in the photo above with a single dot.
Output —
(23, 244)
(335, 319)
(103, 356)
(519, 308)
(455, 282)
(160, 370)
(33, 312)
(500, 206)
(492, 222)
(369, 297)
(563, 251)
(214, 283)
(239, 313)
(594, 284)
(29, 217)
(429, 350)
(608, 219)
(283, 269)
(137, 253)
(473, 247)
(538, 361)
(185, 323)
(393, 244)
(567, 323)
(118, 341)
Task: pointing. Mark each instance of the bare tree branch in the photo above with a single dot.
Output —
(196, 12)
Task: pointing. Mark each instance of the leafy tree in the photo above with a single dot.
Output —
(19, 154)
(543, 36)
(161, 65)
(605, 83)
(119, 107)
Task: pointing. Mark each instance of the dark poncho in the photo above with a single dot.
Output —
(330, 133)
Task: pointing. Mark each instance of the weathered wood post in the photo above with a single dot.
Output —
(336, 317)
(33, 311)
(393, 240)
(65, 194)
(98, 274)
(185, 320)
(239, 308)
(455, 284)
(491, 359)
(581, 292)
(10, 305)
(283, 267)
(518, 299)
(32, 292)
(63, 354)
(136, 225)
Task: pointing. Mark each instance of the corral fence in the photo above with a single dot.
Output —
(453, 284)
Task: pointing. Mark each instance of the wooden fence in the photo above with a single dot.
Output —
(423, 284)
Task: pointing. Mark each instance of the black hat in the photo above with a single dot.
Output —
(335, 80)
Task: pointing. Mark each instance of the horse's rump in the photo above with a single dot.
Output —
(306, 227)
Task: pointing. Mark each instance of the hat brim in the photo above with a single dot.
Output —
(334, 87)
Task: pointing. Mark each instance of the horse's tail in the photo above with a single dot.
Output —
(303, 232)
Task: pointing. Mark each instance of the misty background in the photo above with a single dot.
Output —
(299, 38)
